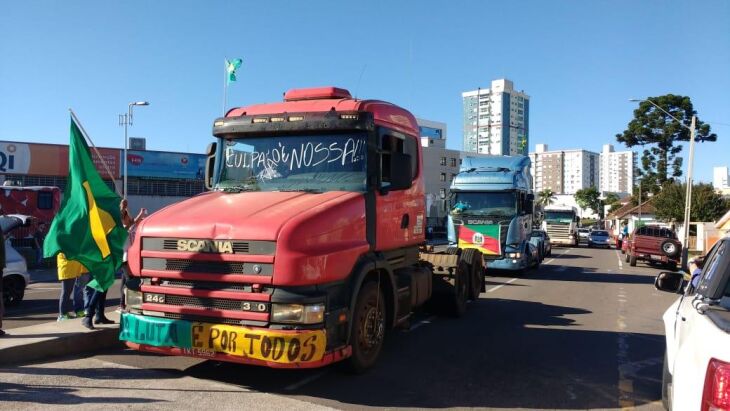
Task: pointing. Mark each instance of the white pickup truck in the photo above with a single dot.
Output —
(697, 360)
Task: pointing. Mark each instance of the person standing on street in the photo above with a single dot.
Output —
(130, 225)
(69, 273)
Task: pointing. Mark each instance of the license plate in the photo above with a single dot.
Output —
(656, 257)
(154, 298)
(266, 345)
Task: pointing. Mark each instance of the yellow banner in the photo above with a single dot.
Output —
(266, 345)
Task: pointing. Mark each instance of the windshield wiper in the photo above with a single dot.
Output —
(305, 190)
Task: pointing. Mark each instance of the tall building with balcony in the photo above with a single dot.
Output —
(564, 171)
(496, 120)
(617, 171)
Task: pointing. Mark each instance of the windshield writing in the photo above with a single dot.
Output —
(497, 204)
(295, 163)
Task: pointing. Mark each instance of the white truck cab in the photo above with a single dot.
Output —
(697, 360)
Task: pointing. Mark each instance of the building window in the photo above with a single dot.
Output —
(443, 177)
(453, 162)
(442, 192)
(443, 161)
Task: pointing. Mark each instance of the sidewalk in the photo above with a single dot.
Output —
(56, 339)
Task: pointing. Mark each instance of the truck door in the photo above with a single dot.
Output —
(400, 212)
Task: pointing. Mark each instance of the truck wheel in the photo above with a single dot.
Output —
(476, 275)
(666, 385)
(460, 291)
(670, 249)
(368, 328)
(627, 257)
(632, 260)
(13, 290)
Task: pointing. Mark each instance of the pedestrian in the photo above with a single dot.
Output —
(2, 268)
(38, 237)
(130, 224)
(72, 275)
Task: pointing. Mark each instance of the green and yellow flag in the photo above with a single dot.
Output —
(88, 228)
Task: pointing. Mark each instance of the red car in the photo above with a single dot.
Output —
(656, 245)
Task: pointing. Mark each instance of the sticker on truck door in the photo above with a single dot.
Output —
(483, 237)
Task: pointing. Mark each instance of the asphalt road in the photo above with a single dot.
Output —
(40, 303)
(583, 331)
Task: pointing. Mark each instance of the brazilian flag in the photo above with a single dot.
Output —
(88, 228)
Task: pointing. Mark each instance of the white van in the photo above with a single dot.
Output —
(15, 275)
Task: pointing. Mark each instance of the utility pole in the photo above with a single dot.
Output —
(688, 193)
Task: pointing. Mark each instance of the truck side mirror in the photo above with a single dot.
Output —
(401, 172)
(210, 164)
(669, 282)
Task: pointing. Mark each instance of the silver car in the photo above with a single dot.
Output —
(15, 275)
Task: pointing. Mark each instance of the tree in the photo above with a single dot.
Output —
(657, 133)
(706, 205)
(589, 198)
(545, 197)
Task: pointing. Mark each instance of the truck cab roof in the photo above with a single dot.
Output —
(493, 173)
(335, 99)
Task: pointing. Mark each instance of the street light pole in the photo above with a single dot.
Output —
(688, 193)
(126, 120)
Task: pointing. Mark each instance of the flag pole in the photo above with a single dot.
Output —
(106, 166)
(225, 85)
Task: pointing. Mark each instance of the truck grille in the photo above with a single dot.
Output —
(206, 285)
(237, 246)
(210, 267)
(217, 303)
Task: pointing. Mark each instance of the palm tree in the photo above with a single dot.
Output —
(546, 197)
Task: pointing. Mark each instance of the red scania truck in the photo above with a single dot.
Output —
(307, 247)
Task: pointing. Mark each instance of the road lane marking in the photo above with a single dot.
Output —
(625, 381)
(501, 285)
(296, 385)
(620, 263)
(422, 322)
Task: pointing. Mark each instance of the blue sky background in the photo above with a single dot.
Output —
(580, 61)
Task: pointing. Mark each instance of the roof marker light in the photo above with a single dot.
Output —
(260, 120)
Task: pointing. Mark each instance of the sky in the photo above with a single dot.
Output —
(580, 62)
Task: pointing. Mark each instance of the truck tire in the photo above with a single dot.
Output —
(472, 258)
(670, 249)
(13, 290)
(368, 328)
(632, 260)
(666, 385)
(460, 291)
(627, 257)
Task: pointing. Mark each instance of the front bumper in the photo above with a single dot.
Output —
(238, 344)
(508, 264)
(562, 241)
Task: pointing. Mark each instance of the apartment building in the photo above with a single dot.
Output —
(617, 173)
(564, 171)
(496, 119)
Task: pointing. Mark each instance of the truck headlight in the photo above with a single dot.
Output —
(297, 313)
(133, 299)
(514, 255)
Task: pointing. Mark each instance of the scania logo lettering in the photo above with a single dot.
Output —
(205, 246)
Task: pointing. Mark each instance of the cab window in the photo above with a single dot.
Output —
(392, 142)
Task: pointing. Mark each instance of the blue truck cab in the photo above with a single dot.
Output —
(491, 209)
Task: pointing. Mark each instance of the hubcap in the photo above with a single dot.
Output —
(373, 327)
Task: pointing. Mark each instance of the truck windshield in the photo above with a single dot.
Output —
(564, 217)
(496, 204)
(334, 162)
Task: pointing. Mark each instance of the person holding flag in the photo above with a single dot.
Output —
(88, 228)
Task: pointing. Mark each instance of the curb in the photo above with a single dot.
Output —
(38, 342)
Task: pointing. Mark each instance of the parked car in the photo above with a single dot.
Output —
(15, 275)
(540, 236)
(583, 235)
(656, 245)
(697, 327)
(599, 238)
